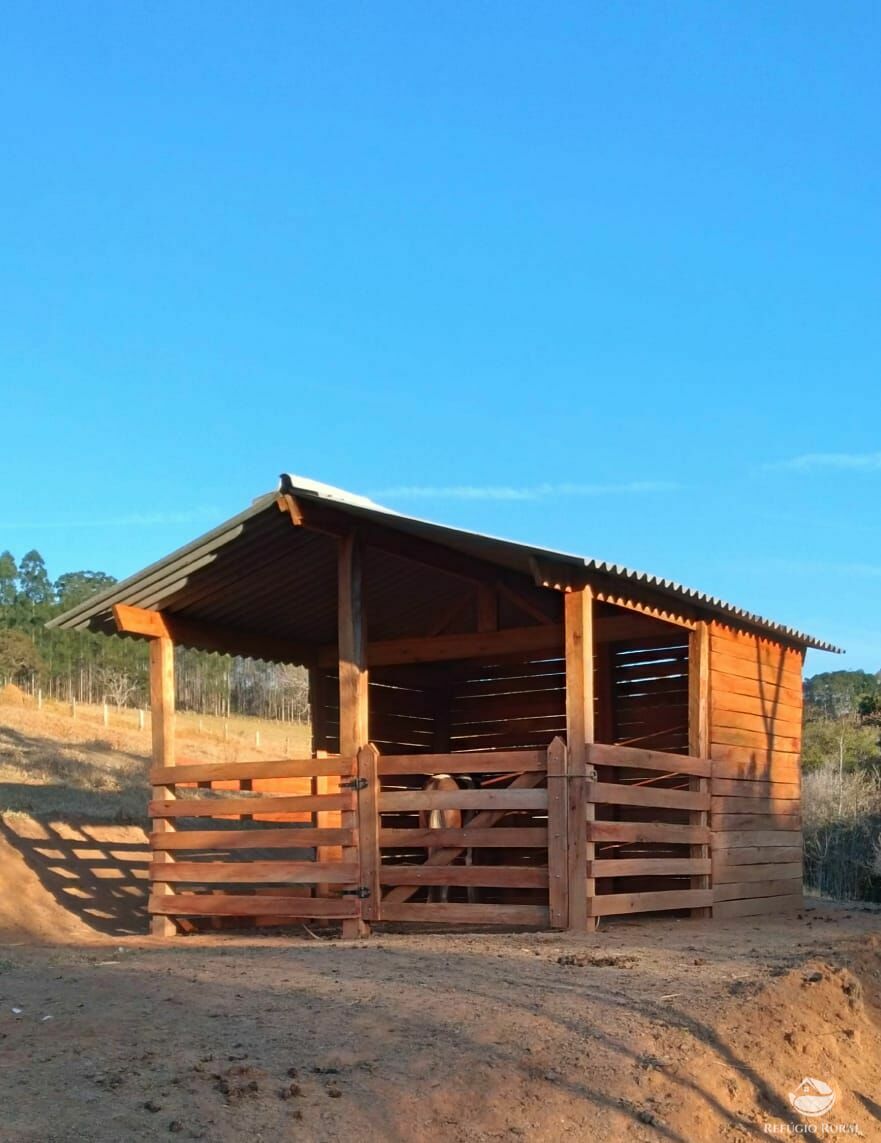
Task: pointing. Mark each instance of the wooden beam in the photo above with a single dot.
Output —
(578, 623)
(323, 518)
(558, 805)
(162, 721)
(352, 652)
(206, 637)
(440, 648)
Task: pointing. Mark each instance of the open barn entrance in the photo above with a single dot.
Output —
(464, 806)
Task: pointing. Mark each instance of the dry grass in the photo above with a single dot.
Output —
(842, 828)
(54, 764)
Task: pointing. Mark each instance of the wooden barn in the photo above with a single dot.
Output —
(501, 734)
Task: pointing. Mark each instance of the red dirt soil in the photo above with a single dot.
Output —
(658, 1029)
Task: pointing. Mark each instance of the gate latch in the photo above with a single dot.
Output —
(354, 784)
(362, 893)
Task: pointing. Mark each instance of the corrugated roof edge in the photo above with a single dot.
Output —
(116, 592)
(362, 506)
(299, 485)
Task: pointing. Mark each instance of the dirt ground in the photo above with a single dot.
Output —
(656, 1029)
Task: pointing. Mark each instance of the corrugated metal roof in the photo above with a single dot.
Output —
(199, 578)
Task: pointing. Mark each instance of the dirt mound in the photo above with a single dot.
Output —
(62, 883)
(818, 1021)
(11, 695)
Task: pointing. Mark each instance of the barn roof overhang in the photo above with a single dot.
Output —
(258, 586)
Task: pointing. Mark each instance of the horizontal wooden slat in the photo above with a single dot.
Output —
(756, 855)
(514, 737)
(648, 832)
(489, 799)
(478, 762)
(773, 708)
(743, 763)
(618, 794)
(757, 655)
(759, 740)
(766, 692)
(527, 704)
(498, 837)
(615, 904)
(769, 887)
(770, 727)
(726, 804)
(650, 867)
(256, 872)
(756, 821)
(451, 914)
(635, 758)
(754, 788)
(738, 839)
(253, 905)
(488, 876)
(220, 807)
(551, 682)
(198, 839)
(758, 906)
(739, 874)
(217, 771)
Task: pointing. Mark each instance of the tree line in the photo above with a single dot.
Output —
(92, 668)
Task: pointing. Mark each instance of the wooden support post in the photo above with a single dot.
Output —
(487, 608)
(558, 803)
(352, 639)
(578, 623)
(368, 832)
(699, 738)
(162, 723)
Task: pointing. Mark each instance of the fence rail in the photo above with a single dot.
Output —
(480, 838)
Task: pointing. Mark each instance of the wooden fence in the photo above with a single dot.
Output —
(480, 838)
(649, 836)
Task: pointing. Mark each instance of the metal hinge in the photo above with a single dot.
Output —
(354, 784)
(362, 893)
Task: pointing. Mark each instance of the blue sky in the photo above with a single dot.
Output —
(601, 277)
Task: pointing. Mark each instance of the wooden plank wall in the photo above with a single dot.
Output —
(457, 706)
(650, 689)
(507, 705)
(755, 743)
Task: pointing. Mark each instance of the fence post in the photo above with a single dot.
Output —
(558, 802)
(699, 740)
(105, 715)
(369, 858)
(140, 719)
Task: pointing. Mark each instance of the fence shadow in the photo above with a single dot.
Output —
(88, 869)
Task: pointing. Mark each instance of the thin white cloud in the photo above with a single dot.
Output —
(529, 492)
(130, 520)
(848, 461)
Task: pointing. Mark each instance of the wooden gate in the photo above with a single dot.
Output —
(502, 861)
(282, 842)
